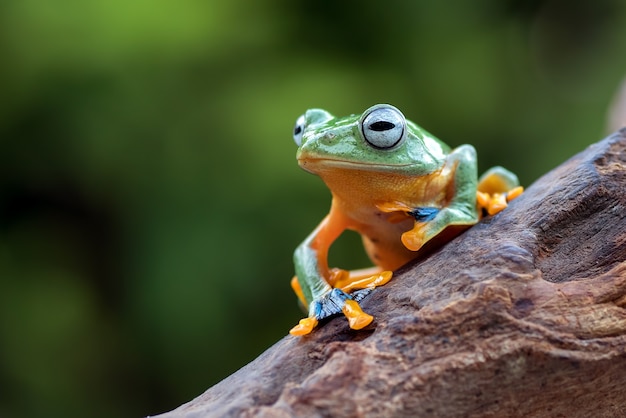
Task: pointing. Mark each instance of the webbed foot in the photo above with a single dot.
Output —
(415, 238)
(334, 302)
(304, 327)
(357, 319)
(496, 188)
(496, 202)
(347, 282)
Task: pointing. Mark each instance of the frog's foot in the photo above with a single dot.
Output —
(357, 319)
(496, 188)
(415, 238)
(304, 327)
(367, 278)
(365, 282)
(496, 202)
(334, 302)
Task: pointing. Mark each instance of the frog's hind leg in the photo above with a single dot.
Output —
(349, 287)
(358, 283)
(496, 188)
(361, 282)
(334, 302)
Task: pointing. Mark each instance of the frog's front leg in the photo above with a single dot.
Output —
(460, 204)
(325, 291)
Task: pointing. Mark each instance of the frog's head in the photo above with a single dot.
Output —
(380, 139)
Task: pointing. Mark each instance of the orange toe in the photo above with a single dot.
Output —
(413, 239)
(514, 192)
(357, 319)
(304, 327)
(370, 282)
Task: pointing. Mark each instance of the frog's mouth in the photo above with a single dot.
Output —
(316, 164)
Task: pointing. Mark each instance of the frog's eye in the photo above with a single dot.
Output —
(298, 130)
(383, 126)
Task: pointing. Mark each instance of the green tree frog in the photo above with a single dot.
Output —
(397, 186)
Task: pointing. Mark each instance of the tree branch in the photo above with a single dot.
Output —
(522, 315)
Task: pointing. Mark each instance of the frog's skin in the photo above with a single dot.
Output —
(397, 186)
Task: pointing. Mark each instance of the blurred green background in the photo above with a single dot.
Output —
(150, 201)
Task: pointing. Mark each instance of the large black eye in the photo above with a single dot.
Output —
(298, 130)
(383, 126)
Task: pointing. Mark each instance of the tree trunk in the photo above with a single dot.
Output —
(523, 315)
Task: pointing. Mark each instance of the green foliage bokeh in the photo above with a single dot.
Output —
(149, 197)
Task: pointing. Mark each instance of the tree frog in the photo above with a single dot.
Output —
(396, 185)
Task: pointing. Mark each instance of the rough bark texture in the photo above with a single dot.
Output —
(524, 315)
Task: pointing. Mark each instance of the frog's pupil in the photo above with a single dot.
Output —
(381, 126)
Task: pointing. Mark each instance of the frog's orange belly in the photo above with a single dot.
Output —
(384, 246)
(358, 195)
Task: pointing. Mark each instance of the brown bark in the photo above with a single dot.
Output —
(524, 315)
